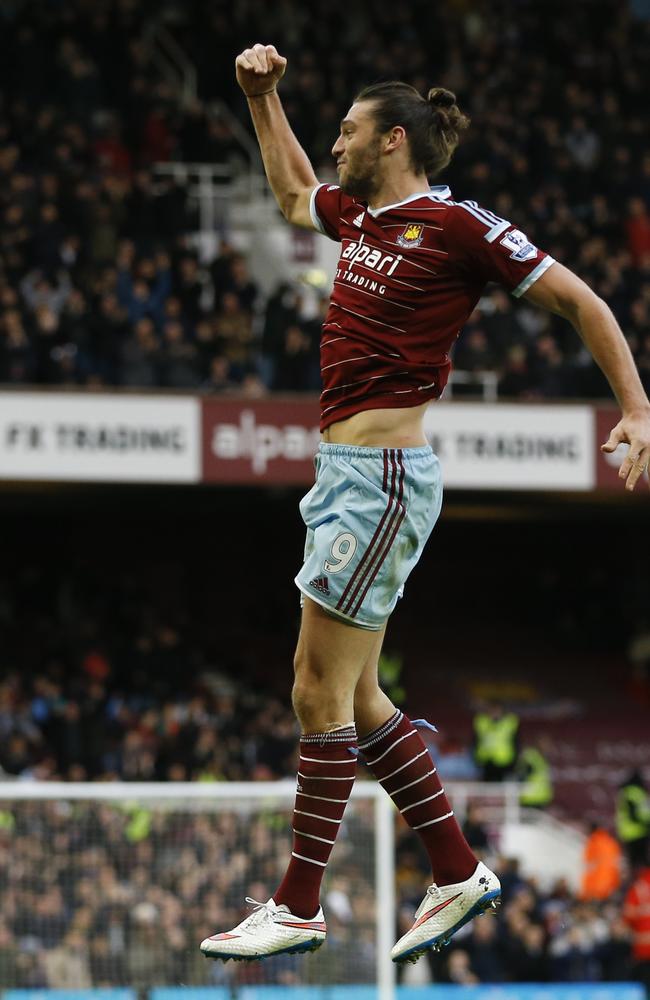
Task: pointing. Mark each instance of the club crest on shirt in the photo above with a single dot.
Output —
(412, 235)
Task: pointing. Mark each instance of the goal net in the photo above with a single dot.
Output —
(115, 885)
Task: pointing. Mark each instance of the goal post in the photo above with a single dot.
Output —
(113, 885)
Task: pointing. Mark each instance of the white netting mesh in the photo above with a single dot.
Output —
(120, 892)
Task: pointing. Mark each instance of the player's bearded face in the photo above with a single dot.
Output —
(359, 173)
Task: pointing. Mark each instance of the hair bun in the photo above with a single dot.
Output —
(438, 97)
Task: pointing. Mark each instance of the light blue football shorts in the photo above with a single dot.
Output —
(368, 517)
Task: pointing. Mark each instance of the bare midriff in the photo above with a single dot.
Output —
(384, 428)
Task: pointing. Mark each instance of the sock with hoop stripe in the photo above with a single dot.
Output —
(326, 772)
(399, 759)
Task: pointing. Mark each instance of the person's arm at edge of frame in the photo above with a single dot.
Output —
(562, 292)
(289, 172)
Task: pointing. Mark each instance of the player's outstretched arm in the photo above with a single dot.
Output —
(562, 292)
(292, 179)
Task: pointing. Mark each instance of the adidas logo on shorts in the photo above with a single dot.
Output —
(320, 584)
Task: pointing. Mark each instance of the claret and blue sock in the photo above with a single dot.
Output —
(398, 757)
(326, 772)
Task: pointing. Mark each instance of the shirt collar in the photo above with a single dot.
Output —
(439, 192)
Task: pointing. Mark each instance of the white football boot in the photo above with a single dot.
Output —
(444, 910)
(268, 930)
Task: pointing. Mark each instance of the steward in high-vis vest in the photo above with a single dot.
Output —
(534, 772)
(495, 742)
(633, 819)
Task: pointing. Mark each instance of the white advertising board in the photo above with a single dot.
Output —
(513, 446)
(99, 438)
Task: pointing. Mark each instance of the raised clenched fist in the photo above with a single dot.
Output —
(259, 69)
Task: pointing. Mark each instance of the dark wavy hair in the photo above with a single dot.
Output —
(432, 124)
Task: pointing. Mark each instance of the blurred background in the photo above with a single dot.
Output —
(159, 329)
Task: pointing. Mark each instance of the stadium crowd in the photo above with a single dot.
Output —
(165, 874)
(110, 682)
(143, 882)
(100, 281)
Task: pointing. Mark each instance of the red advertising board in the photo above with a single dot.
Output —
(607, 466)
(273, 441)
(260, 441)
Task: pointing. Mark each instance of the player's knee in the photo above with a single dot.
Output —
(371, 707)
(302, 699)
(318, 703)
(308, 668)
(365, 694)
(307, 695)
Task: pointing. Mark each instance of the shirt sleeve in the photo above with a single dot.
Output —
(326, 207)
(488, 248)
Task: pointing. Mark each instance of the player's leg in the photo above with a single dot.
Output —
(398, 757)
(330, 656)
(396, 754)
(372, 707)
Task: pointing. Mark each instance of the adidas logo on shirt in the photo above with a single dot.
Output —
(320, 583)
(359, 220)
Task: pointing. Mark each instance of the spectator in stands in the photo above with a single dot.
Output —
(495, 742)
(220, 378)
(633, 819)
(475, 831)
(517, 381)
(67, 966)
(140, 355)
(238, 281)
(534, 771)
(574, 949)
(10, 975)
(281, 312)
(178, 362)
(549, 365)
(293, 365)
(638, 229)
(143, 287)
(615, 958)
(108, 329)
(17, 360)
(473, 352)
(17, 755)
(636, 913)
(459, 969)
(40, 291)
(486, 953)
(234, 332)
(602, 865)
(192, 287)
(527, 956)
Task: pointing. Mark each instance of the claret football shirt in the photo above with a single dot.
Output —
(408, 277)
